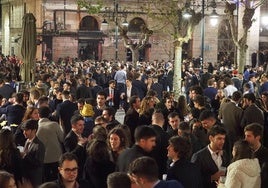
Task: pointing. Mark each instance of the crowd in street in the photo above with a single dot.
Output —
(112, 124)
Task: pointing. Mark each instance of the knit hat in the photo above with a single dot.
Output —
(87, 110)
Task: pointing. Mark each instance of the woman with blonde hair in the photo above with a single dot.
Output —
(146, 110)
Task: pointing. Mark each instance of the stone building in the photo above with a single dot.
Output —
(66, 30)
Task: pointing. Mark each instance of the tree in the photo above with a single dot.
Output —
(247, 20)
(170, 14)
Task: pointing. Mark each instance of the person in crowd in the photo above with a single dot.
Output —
(118, 180)
(64, 112)
(199, 106)
(7, 180)
(144, 173)
(231, 115)
(101, 98)
(51, 135)
(127, 92)
(263, 83)
(174, 121)
(230, 88)
(68, 172)
(10, 159)
(83, 91)
(15, 111)
(109, 114)
(145, 140)
(159, 152)
(199, 131)
(75, 143)
(140, 85)
(33, 154)
(57, 100)
(244, 171)
(99, 133)
(101, 121)
(30, 113)
(146, 110)
(95, 88)
(34, 96)
(180, 168)
(88, 113)
(183, 108)
(120, 77)
(254, 134)
(210, 159)
(132, 116)
(112, 94)
(210, 91)
(49, 185)
(250, 108)
(117, 142)
(98, 165)
(184, 131)
(6, 90)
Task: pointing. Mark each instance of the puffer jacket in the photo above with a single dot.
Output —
(243, 173)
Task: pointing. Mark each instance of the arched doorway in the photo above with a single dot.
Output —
(135, 30)
(89, 39)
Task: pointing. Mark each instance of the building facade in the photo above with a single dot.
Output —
(65, 30)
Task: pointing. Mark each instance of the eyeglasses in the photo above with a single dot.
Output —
(69, 170)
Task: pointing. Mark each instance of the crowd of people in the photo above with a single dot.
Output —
(110, 124)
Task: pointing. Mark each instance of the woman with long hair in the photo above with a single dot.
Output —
(10, 159)
(30, 113)
(244, 171)
(7, 180)
(98, 165)
(146, 110)
(117, 142)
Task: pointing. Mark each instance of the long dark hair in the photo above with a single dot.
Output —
(242, 150)
(7, 146)
(5, 178)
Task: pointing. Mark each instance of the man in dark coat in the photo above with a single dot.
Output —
(132, 115)
(180, 168)
(5, 88)
(144, 171)
(210, 159)
(159, 152)
(250, 109)
(68, 172)
(34, 153)
(253, 134)
(64, 112)
(83, 91)
(75, 143)
(145, 138)
(127, 92)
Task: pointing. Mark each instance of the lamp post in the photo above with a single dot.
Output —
(214, 16)
(116, 28)
(202, 33)
(114, 15)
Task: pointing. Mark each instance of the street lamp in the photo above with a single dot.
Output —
(114, 15)
(214, 19)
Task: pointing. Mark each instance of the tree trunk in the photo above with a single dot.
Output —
(177, 70)
(135, 56)
(242, 58)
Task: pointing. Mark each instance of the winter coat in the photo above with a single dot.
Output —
(244, 173)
